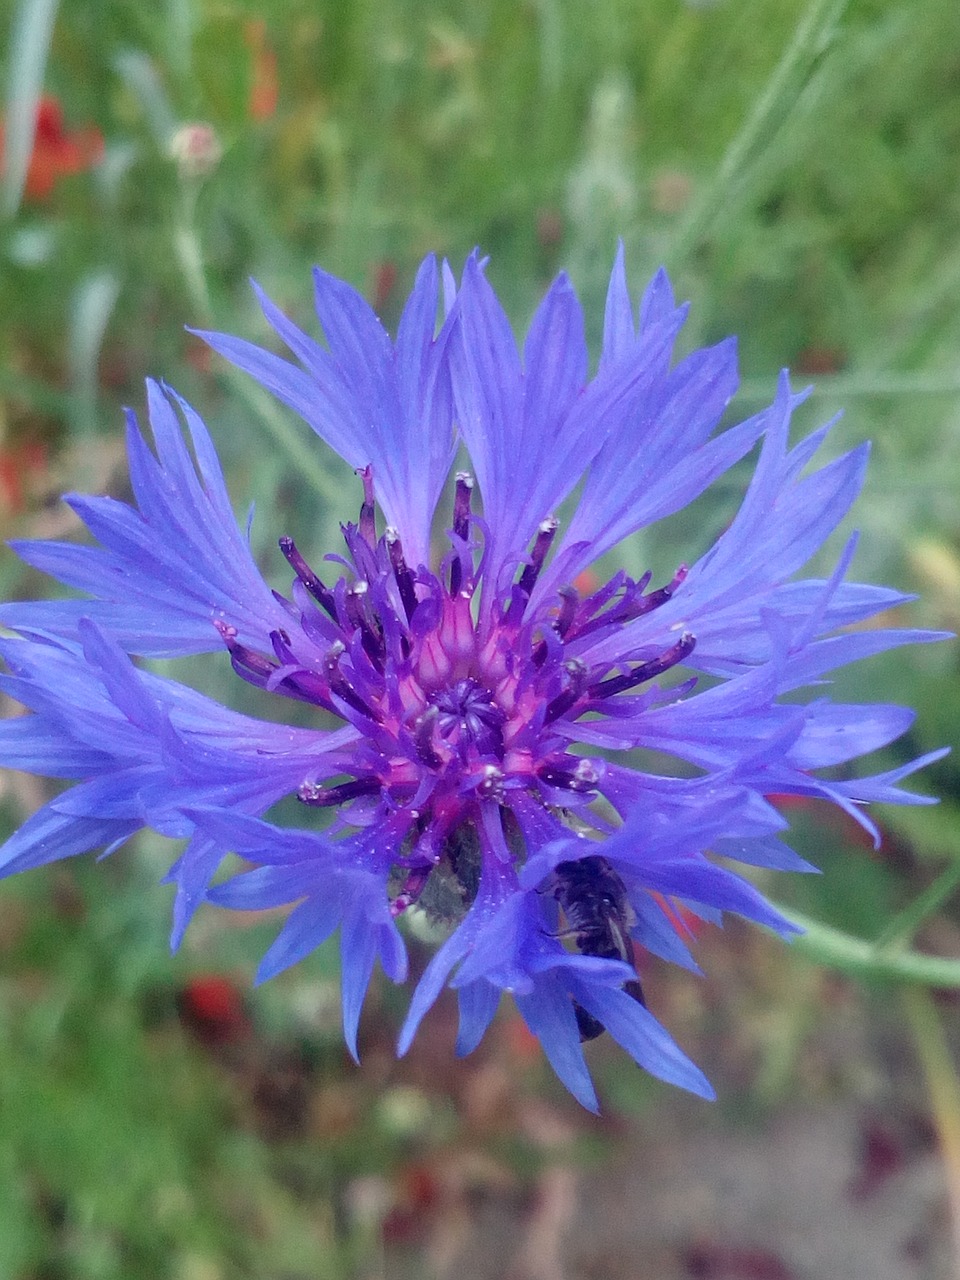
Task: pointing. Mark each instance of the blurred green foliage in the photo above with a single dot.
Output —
(795, 166)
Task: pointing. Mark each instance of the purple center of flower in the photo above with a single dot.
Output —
(468, 719)
(455, 707)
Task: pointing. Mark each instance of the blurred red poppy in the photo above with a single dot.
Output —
(22, 466)
(264, 89)
(56, 150)
(213, 1008)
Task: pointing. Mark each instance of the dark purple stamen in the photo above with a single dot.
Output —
(569, 599)
(646, 670)
(513, 613)
(367, 523)
(423, 738)
(401, 571)
(657, 598)
(461, 504)
(582, 778)
(635, 604)
(461, 525)
(246, 662)
(339, 685)
(258, 670)
(358, 609)
(323, 595)
(322, 797)
(545, 536)
(413, 886)
(594, 615)
(281, 647)
(562, 703)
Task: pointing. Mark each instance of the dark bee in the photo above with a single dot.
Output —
(593, 899)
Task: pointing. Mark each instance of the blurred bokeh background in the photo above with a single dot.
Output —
(797, 168)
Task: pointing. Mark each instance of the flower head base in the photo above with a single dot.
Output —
(478, 774)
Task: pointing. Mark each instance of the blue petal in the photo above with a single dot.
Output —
(50, 835)
(657, 460)
(373, 404)
(835, 732)
(619, 333)
(478, 1004)
(822, 656)
(548, 1012)
(765, 851)
(655, 932)
(358, 950)
(165, 572)
(27, 743)
(697, 880)
(307, 926)
(197, 867)
(638, 1031)
(264, 887)
(432, 982)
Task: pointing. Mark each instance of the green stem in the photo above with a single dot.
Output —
(770, 109)
(862, 959)
(905, 924)
(944, 1089)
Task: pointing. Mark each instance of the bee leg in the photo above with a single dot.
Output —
(587, 1024)
(560, 934)
(634, 989)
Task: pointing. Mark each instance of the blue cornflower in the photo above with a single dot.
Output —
(479, 774)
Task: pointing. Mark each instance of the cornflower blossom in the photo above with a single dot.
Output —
(475, 713)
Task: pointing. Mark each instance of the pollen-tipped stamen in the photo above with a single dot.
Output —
(569, 599)
(322, 594)
(361, 619)
(319, 796)
(246, 662)
(546, 532)
(401, 572)
(413, 887)
(340, 686)
(581, 779)
(367, 522)
(461, 527)
(563, 702)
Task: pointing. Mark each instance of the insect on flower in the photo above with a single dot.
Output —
(597, 910)
(485, 689)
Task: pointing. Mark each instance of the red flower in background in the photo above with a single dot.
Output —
(264, 89)
(213, 1008)
(56, 151)
(22, 467)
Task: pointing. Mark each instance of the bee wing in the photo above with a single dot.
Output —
(620, 938)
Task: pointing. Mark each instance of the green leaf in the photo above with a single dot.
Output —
(27, 60)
